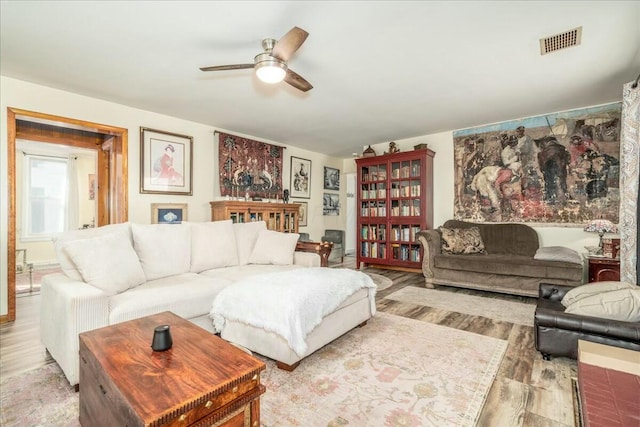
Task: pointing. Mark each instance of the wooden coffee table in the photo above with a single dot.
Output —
(202, 380)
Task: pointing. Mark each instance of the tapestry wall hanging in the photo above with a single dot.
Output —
(249, 167)
(560, 168)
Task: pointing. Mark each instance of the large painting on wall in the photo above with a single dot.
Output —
(560, 168)
(249, 167)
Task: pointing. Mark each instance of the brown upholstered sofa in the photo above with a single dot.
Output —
(508, 266)
(557, 333)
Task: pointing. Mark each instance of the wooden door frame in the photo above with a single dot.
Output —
(111, 206)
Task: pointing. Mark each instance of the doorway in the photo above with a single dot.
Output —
(110, 144)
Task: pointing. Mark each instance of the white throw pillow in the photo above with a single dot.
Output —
(213, 245)
(274, 247)
(623, 304)
(590, 289)
(164, 249)
(59, 240)
(246, 236)
(558, 253)
(107, 262)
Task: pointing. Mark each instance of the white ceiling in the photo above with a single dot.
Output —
(381, 70)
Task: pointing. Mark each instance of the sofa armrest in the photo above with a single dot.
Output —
(553, 292)
(431, 246)
(323, 249)
(306, 259)
(627, 331)
(68, 308)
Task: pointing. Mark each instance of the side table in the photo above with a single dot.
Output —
(603, 269)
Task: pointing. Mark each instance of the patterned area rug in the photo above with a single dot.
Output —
(393, 371)
(493, 308)
(380, 281)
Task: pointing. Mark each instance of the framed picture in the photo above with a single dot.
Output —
(168, 213)
(304, 207)
(331, 178)
(92, 186)
(166, 161)
(331, 204)
(300, 181)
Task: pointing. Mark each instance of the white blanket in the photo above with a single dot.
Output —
(289, 303)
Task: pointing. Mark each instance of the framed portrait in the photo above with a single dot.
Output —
(168, 213)
(166, 161)
(331, 178)
(330, 204)
(300, 181)
(302, 218)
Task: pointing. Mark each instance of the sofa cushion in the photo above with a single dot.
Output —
(239, 272)
(164, 249)
(507, 239)
(246, 236)
(107, 262)
(188, 295)
(213, 245)
(273, 247)
(558, 253)
(623, 304)
(462, 240)
(517, 266)
(591, 289)
(59, 239)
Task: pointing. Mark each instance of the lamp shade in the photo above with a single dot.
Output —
(271, 71)
(601, 226)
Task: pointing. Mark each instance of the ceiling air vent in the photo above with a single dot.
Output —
(560, 41)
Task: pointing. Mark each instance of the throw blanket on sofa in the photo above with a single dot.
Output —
(290, 303)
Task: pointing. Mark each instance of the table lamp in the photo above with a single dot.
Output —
(601, 226)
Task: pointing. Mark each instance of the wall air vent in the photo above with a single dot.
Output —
(561, 41)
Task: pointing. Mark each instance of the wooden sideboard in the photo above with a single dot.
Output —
(282, 217)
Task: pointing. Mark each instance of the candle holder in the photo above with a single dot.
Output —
(162, 340)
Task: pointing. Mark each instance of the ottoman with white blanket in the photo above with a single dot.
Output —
(288, 315)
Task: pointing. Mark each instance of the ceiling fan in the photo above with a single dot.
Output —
(271, 65)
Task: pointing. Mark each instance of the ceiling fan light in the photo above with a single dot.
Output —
(271, 71)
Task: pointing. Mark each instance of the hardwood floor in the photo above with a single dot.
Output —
(527, 391)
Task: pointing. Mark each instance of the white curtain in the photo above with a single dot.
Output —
(630, 156)
(72, 194)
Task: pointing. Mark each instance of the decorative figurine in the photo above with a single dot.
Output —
(285, 195)
(393, 148)
(369, 152)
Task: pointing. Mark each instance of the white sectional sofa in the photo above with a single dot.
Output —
(124, 271)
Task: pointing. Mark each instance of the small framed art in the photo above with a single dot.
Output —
(302, 213)
(331, 204)
(168, 213)
(165, 162)
(300, 180)
(331, 178)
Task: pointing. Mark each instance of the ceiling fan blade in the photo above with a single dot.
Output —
(296, 81)
(227, 67)
(289, 43)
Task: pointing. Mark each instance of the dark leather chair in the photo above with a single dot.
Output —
(557, 333)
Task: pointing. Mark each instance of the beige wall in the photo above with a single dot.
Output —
(28, 96)
(443, 192)
(23, 95)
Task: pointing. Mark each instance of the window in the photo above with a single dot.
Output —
(44, 201)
